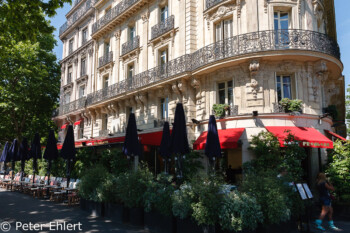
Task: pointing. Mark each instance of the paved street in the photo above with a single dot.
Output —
(26, 209)
(18, 207)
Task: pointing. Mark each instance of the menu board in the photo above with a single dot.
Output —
(307, 190)
(301, 191)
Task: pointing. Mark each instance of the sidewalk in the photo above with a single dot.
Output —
(22, 208)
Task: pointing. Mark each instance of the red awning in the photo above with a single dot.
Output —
(64, 126)
(228, 139)
(78, 122)
(151, 139)
(335, 135)
(307, 137)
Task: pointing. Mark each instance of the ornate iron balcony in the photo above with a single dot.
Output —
(131, 45)
(77, 15)
(112, 14)
(229, 48)
(72, 106)
(265, 41)
(162, 27)
(211, 3)
(105, 59)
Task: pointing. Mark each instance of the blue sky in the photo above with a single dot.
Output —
(342, 19)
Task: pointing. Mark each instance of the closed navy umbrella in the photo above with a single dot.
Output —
(51, 152)
(35, 153)
(14, 155)
(179, 141)
(132, 145)
(212, 145)
(23, 154)
(68, 151)
(164, 150)
(5, 156)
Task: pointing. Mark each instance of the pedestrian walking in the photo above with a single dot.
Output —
(324, 186)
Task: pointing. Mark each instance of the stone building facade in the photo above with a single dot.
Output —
(144, 56)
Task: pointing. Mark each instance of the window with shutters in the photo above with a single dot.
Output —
(223, 30)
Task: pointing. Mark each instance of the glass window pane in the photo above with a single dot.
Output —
(287, 92)
(218, 32)
(221, 86)
(284, 24)
(230, 95)
(222, 96)
(286, 79)
(279, 91)
(284, 15)
(278, 79)
(229, 84)
(275, 15)
(276, 24)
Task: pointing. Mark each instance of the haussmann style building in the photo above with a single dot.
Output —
(144, 56)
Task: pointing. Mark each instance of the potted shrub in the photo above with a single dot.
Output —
(221, 109)
(158, 205)
(291, 105)
(90, 190)
(132, 187)
(200, 200)
(239, 212)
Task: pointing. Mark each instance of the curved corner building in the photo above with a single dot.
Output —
(144, 56)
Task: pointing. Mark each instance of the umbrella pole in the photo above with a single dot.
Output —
(48, 177)
(68, 172)
(13, 172)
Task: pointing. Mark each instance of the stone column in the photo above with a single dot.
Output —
(116, 54)
(144, 40)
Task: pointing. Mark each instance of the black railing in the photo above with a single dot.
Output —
(77, 15)
(211, 3)
(72, 106)
(105, 59)
(112, 14)
(162, 27)
(131, 45)
(229, 48)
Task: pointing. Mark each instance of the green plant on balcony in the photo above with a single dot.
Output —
(291, 105)
(220, 109)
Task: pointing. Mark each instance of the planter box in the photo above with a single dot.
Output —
(116, 212)
(189, 226)
(158, 223)
(95, 209)
(136, 216)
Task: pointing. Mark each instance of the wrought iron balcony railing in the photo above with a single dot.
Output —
(211, 3)
(229, 48)
(105, 59)
(162, 27)
(77, 15)
(112, 14)
(72, 106)
(265, 41)
(131, 45)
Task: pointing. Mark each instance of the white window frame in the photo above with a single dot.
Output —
(84, 90)
(164, 102)
(163, 10)
(280, 20)
(226, 92)
(223, 29)
(83, 40)
(293, 85)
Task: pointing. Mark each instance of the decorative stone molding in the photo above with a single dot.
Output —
(222, 12)
(117, 34)
(254, 67)
(68, 87)
(254, 87)
(85, 116)
(195, 83)
(76, 60)
(114, 108)
(82, 80)
(265, 6)
(321, 67)
(69, 119)
(145, 16)
(182, 86)
(239, 7)
(175, 88)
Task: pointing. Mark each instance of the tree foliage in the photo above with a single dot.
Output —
(30, 74)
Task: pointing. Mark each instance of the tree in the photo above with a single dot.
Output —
(29, 71)
(347, 106)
